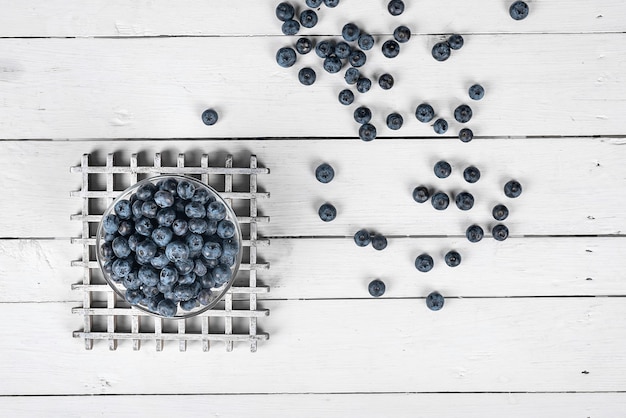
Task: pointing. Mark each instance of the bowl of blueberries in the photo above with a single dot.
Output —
(170, 246)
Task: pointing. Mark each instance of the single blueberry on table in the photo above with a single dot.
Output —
(394, 121)
(324, 173)
(441, 51)
(180, 227)
(346, 97)
(216, 211)
(198, 226)
(402, 34)
(327, 212)
(424, 113)
(362, 115)
(366, 41)
(463, 114)
(325, 49)
(500, 232)
(304, 46)
(500, 212)
(379, 242)
(512, 189)
(421, 194)
(476, 92)
(474, 233)
(331, 3)
(332, 64)
(518, 10)
(313, 3)
(106, 251)
(471, 174)
(357, 58)
(225, 229)
(290, 27)
(166, 308)
(440, 201)
(204, 297)
(146, 191)
(122, 267)
(442, 169)
(134, 297)
(123, 209)
(391, 49)
(452, 258)
(176, 251)
(395, 7)
(146, 249)
(363, 84)
(342, 50)
(455, 41)
(385, 81)
(149, 209)
(285, 11)
(188, 305)
(285, 57)
(424, 263)
(376, 288)
(350, 32)
(362, 238)
(221, 274)
(144, 226)
(464, 201)
(163, 199)
(434, 301)
(308, 18)
(120, 246)
(367, 132)
(148, 276)
(169, 275)
(126, 228)
(352, 75)
(209, 116)
(466, 135)
(110, 223)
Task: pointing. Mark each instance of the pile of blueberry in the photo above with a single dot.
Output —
(170, 244)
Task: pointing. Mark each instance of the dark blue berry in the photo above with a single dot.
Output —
(442, 169)
(149, 209)
(313, 3)
(325, 49)
(424, 113)
(150, 291)
(211, 250)
(464, 201)
(195, 210)
(110, 223)
(211, 228)
(402, 34)
(148, 276)
(463, 114)
(367, 132)
(146, 191)
(194, 242)
(518, 10)
(424, 263)
(357, 58)
(109, 237)
(471, 174)
(466, 135)
(209, 117)
(120, 247)
(366, 41)
(176, 251)
(455, 41)
(123, 209)
(395, 7)
(308, 18)
(452, 258)
(376, 288)
(159, 260)
(440, 201)
(332, 64)
(133, 240)
(144, 226)
(394, 121)
(188, 305)
(168, 184)
(327, 212)
(164, 198)
(500, 212)
(180, 227)
(286, 57)
(476, 92)
(500, 232)
(202, 196)
(216, 211)
(474, 233)
(131, 281)
(204, 297)
(421, 194)
(227, 259)
(363, 84)
(136, 207)
(385, 81)
(331, 3)
(221, 274)
(106, 251)
(185, 267)
(434, 301)
(346, 97)
(285, 11)
(512, 189)
(324, 173)
(199, 268)
(126, 228)
(225, 229)
(350, 32)
(230, 246)
(342, 50)
(391, 49)
(362, 238)
(133, 296)
(198, 226)
(441, 51)
(169, 275)
(166, 308)
(304, 46)
(122, 267)
(290, 27)
(352, 75)
(362, 115)
(440, 126)
(379, 242)
(185, 189)
(146, 249)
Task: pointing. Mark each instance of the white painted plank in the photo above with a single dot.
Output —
(241, 17)
(336, 268)
(475, 405)
(571, 186)
(347, 346)
(538, 85)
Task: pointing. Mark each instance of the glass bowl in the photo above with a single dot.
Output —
(170, 246)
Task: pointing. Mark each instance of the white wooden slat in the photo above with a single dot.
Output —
(241, 17)
(573, 187)
(347, 346)
(475, 405)
(536, 85)
(336, 268)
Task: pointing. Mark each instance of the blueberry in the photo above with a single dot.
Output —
(500, 232)
(463, 114)
(313, 3)
(346, 97)
(188, 305)
(376, 288)
(325, 49)
(227, 259)
(209, 117)
(211, 228)
(202, 196)
(216, 211)
(434, 301)
(441, 51)
(106, 251)
(164, 198)
(362, 238)
(362, 115)
(133, 240)
(500, 212)
(148, 276)
(109, 237)
(136, 207)
(180, 227)
(308, 18)
(146, 249)
(160, 260)
(122, 267)
(466, 135)
(185, 189)
(394, 121)
(290, 27)
(424, 263)
(367, 132)
(146, 191)
(464, 201)
(442, 169)
(395, 7)
(379, 242)
(424, 113)
(199, 268)
(440, 201)
(198, 226)
(402, 34)
(366, 41)
(195, 210)
(391, 49)
(120, 247)
(350, 32)
(304, 46)
(185, 268)
(149, 209)
(211, 250)
(285, 11)
(144, 226)
(324, 173)
(131, 281)
(153, 302)
(225, 229)
(166, 308)
(221, 274)
(150, 291)
(332, 65)
(204, 297)
(474, 233)
(169, 185)
(440, 126)
(357, 58)
(168, 275)
(453, 259)
(512, 189)
(327, 212)
(107, 267)
(286, 57)
(455, 41)
(179, 205)
(126, 228)
(307, 76)
(363, 84)
(385, 81)
(352, 75)
(342, 50)
(476, 92)
(471, 174)
(518, 10)
(421, 194)
(207, 280)
(176, 251)
(123, 209)
(331, 3)
(134, 297)
(110, 223)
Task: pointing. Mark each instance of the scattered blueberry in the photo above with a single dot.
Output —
(440, 201)
(474, 233)
(331, 3)
(424, 113)
(285, 11)
(346, 97)
(209, 116)
(325, 49)
(424, 263)
(308, 18)
(395, 7)
(362, 115)
(440, 126)
(332, 64)
(285, 57)
(421, 194)
(434, 301)
(313, 3)
(394, 121)
(471, 174)
(441, 51)
(402, 34)
(342, 50)
(290, 27)
(453, 258)
(518, 10)
(476, 92)
(350, 32)
(362, 238)
(367, 132)
(466, 135)
(385, 81)
(512, 189)
(391, 49)
(376, 288)
(500, 232)
(357, 58)
(352, 75)
(442, 169)
(366, 41)
(324, 173)
(304, 46)
(463, 114)
(327, 212)
(379, 242)
(455, 41)
(363, 84)
(464, 201)
(500, 212)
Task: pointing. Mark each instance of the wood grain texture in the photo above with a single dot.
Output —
(571, 186)
(241, 17)
(410, 405)
(536, 85)
(347, 346)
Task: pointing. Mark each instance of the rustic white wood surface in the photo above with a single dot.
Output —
(525, 321)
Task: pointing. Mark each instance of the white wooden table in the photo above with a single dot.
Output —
(532, 326)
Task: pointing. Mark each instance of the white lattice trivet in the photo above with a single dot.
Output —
(108, 320)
